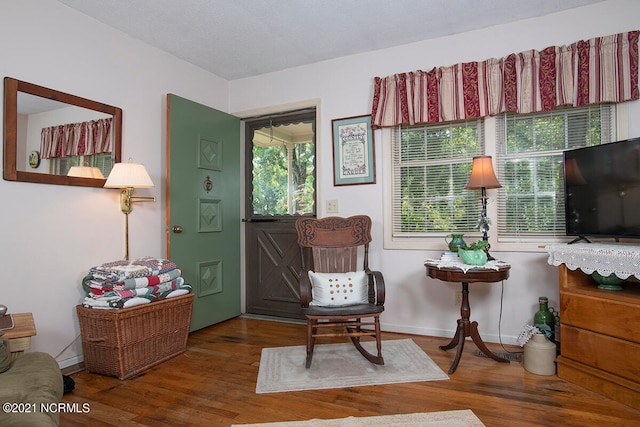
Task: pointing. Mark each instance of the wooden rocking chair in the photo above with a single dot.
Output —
(336, 300)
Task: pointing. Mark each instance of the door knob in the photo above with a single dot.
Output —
(177, 229)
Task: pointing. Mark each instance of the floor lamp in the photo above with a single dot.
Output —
(483, 177)
(129, 176)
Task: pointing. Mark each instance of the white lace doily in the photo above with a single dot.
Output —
(620, 259)
(490, 265)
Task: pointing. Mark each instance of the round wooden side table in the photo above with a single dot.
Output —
(465, 327)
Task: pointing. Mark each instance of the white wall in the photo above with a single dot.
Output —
(51, 235)
(414, 302)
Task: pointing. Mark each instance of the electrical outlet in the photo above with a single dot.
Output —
(333, 206)
(457, 298)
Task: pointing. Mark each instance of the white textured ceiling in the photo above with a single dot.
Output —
(241, 38)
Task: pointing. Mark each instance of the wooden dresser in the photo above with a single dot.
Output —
(600, 337)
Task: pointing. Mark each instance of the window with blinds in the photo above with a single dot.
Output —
(529, 166)
(431, 165)
(103, 161)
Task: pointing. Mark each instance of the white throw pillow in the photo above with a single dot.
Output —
(336, 289)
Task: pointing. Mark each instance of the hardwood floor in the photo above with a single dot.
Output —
(213, 384)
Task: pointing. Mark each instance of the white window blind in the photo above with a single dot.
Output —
(103, 161)
(430, 169)
(529, 165)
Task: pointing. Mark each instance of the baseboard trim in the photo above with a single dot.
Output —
(273, 318)
(72, 369)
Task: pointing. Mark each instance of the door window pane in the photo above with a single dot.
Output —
(284, 170)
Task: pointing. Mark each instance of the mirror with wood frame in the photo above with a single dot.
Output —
(49, 136)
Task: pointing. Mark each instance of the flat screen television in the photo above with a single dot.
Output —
(602, 190)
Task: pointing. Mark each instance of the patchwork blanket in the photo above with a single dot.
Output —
(117, 271)
(92, 283)
(124, 284)
(171, 285)
(132, 301)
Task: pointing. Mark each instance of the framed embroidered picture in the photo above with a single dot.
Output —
(353, 151)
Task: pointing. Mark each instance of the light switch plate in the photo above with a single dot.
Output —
(333, 206)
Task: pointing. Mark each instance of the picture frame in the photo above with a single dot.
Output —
(353, 151)
(34, 159)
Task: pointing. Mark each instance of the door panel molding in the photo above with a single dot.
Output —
(210, 279)
(210, 153)
(209, 215)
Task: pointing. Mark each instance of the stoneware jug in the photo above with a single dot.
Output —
(455, 242)
(540, 355)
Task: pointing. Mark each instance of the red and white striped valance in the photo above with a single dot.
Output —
(76, 139)
(599, 70)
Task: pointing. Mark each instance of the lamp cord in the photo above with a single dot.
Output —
(69, 345)
(500, 322)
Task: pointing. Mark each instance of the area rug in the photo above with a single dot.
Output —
(341, 365)
(464, 418)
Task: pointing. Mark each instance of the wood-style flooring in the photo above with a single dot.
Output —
(213, 384)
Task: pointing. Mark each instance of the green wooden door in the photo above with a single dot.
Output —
(203, 206)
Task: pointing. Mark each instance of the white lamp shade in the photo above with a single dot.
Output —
(85, 172)
(125, 175)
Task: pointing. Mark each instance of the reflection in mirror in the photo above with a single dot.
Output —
(56, 138)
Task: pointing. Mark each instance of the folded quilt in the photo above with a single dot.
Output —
(117, 302)
(124, 284)
(117, 271)
(137, 292)
(90, 282)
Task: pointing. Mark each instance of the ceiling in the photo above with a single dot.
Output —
(235, 39)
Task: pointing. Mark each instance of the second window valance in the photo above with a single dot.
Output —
(599, 70)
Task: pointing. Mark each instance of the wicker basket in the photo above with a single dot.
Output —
(125, 342)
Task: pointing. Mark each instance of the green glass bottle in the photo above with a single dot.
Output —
(544, 319)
